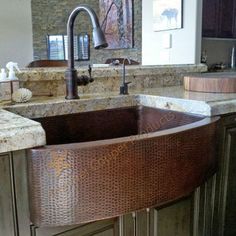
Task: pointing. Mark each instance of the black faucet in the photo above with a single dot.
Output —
(72, 80)
(124, 87)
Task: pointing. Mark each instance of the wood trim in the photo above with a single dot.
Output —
(121, 226)
(196, 212)
(13, 193)
(21, 189)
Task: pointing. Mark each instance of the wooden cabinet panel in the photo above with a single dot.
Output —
(21, 192)
(218, 19)
(142, 223)
(204, 201)
(210, 14)
(226, 19)
(174, 220)
(6, 206)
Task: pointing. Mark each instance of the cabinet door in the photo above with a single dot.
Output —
(174, 220)
(226, 19)
(218, 18)
(210, 18)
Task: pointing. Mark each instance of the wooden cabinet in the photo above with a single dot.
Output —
(210, 14)
(214, 211)
(225, 197)
(218, 18)
(227, 19)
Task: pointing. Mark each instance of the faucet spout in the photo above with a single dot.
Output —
(99, 42)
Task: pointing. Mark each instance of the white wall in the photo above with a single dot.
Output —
(15, 32)
(186, 42)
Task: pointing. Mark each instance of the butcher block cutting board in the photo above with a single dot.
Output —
(221, 82)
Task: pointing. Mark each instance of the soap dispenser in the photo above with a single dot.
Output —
(3, 74)
(12, 66)
(5, 86)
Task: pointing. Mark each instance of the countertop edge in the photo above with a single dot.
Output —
(23, 138)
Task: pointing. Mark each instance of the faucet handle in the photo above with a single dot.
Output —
(85, 79)
(126, 83)
(124, 88)
(89, 70)
(90, 73)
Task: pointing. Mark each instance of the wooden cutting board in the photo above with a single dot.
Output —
(221, 82)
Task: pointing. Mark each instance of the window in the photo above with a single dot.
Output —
(57, 46)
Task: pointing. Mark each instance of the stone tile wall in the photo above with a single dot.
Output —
(50, 17)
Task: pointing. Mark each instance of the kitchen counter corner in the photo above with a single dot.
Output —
(17, 133)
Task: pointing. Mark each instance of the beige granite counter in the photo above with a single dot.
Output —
(207, 104)
(173, 98)
(18, 133)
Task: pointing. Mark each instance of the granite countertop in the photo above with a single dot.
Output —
(17, 132)
(207, 104)
(173, 98)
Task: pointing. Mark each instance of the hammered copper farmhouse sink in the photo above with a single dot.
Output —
(103, 164)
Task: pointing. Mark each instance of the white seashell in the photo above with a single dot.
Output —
(22, 95)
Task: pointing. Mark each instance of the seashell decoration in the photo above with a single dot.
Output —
(22, 95)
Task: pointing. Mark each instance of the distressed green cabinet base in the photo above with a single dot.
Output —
(225, 198)
(215, 201)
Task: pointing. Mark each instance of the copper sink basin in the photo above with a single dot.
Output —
(103, 164)
(110, 124)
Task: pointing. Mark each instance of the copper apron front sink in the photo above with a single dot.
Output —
(107, 163)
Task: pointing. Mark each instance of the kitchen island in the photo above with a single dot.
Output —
(208, 211)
